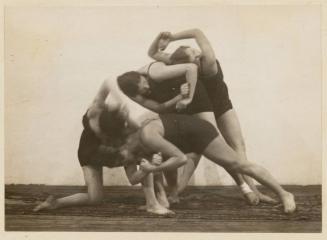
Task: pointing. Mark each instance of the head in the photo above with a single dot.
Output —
(112, 124)
(185, 54)
(133, 83)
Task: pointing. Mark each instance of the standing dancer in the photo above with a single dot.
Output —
(175, 88)
(211, 75)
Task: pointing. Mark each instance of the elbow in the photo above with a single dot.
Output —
(182, 159)
(191, 67)
(197, 31)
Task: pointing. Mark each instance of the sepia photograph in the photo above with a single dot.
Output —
(200, 117)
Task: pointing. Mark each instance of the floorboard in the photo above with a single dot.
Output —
(202, 209)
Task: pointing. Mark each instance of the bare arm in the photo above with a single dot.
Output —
(156, 49)
(156, 106)
(134, 175)
(101, 96)
(208, 54)
(99, 104)
(152, 139)
(161, 72)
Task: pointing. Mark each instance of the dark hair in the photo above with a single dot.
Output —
(128, 83)
(179, 56)
(111, 124)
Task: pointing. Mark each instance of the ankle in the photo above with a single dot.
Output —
(245, 189)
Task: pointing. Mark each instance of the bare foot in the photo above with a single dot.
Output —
(252, 198)
(160, 210)
(288, 202)
(267, 199)
(49, 203)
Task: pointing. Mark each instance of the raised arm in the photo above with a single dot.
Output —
(101, 96)
(208, 54)
(115, 103)
(158, 45)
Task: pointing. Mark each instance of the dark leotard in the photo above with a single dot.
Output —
(92, 152)
(188, 133)
(168, 89)
(217, 92)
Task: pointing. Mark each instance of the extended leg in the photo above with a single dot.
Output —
(219, 152)
(230, 124)
(230, 128)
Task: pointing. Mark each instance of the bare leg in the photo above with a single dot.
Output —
(152, 204)
(251, 197)
(177, 187)
(219, 152)
(94, 196)
(188, 169)
(230, 128)
(160, 190)
(171, 179)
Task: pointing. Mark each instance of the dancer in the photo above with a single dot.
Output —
(98, 147)
(174, 135)
(211, 75)
(163, 88)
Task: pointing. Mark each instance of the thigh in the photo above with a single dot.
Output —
(194, 157)
(93, 180)
(230, 128)
(221, 153)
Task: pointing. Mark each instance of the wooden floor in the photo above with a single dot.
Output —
(203, 209)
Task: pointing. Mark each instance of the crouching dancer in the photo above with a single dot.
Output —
(99, 145)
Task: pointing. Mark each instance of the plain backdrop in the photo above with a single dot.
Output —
(56, 59)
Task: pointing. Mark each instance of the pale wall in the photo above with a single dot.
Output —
(56, 59)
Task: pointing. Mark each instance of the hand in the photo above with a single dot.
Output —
(146, 166)
(183, 104)
(185, 90)
(164, 40)
(156, 159)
